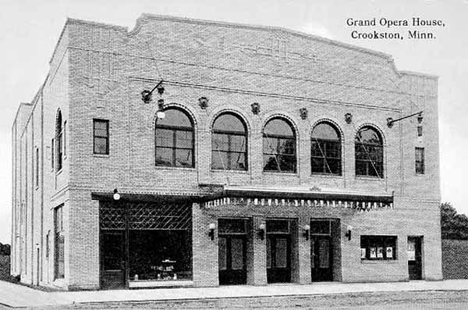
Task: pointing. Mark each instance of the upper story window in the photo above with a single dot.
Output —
(58, 141)
(279, 146)
(419, 160)
(101, 137)
(37, 167)
(325, 150)
(174, 140)
(369, 153)
(229, 143)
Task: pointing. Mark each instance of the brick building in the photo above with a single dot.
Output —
(262, 155)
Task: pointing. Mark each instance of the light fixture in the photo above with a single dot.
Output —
(212, 227)
(391, 121)
(116, 194)
(349, 230)
(306, 231)
(348, 118)
(261, 231)
(147, 94)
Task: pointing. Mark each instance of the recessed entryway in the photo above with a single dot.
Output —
(414, 252)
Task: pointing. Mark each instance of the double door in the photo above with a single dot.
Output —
(232, 260)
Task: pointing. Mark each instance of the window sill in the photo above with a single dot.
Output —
(101, 155)
(379, 261)
(327, 175)
(175, 168)
(278, 173)
(369, 178)
(230, 171)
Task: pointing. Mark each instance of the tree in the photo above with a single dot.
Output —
(454, 225)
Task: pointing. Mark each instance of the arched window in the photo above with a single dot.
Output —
(174, 137)
(279, 146)
(369, 152)
(229, 143)
(326, 149)
(58, 141)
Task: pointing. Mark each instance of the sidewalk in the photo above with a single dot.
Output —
(18, 296)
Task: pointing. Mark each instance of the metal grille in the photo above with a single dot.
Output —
(146, 215)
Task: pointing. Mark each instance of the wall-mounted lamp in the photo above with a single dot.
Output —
(306, 231)
(116, 194)
(212, 227)
(261, 231)
(348, 232)
(348, 118)
(391, 121)
(147, 94)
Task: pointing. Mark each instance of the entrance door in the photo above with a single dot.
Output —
(321, 258)
(278, 246)
(232, 260)
(112, 259)
(414, 258)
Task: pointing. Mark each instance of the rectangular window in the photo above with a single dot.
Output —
(37, 167)
(59, 149)
(65, 139)
(52, 157)
(378, 247)
(101, 137)
(59, 243)
(419, 160)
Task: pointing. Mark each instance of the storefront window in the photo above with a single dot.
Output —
(378, 247)
(160, 255)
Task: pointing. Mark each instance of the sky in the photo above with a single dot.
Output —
(29, 31)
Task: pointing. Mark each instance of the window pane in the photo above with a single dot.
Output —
(324, 253)
(238, 161)
(184, 139)
(271, 163)
(237, 252)
(320, 227)
(325, 131)
(229, 122)
(238, 143)
(174, 117)
(287, 163)
(368, 135)
(270, 145)
(219, 160)
(278, 126)
(163, 156)
(100, 145)
(228, 226)
(183, 158)
(318, 165)
(220, 142)
(164, 137)
(222, 254)
(281, 253)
